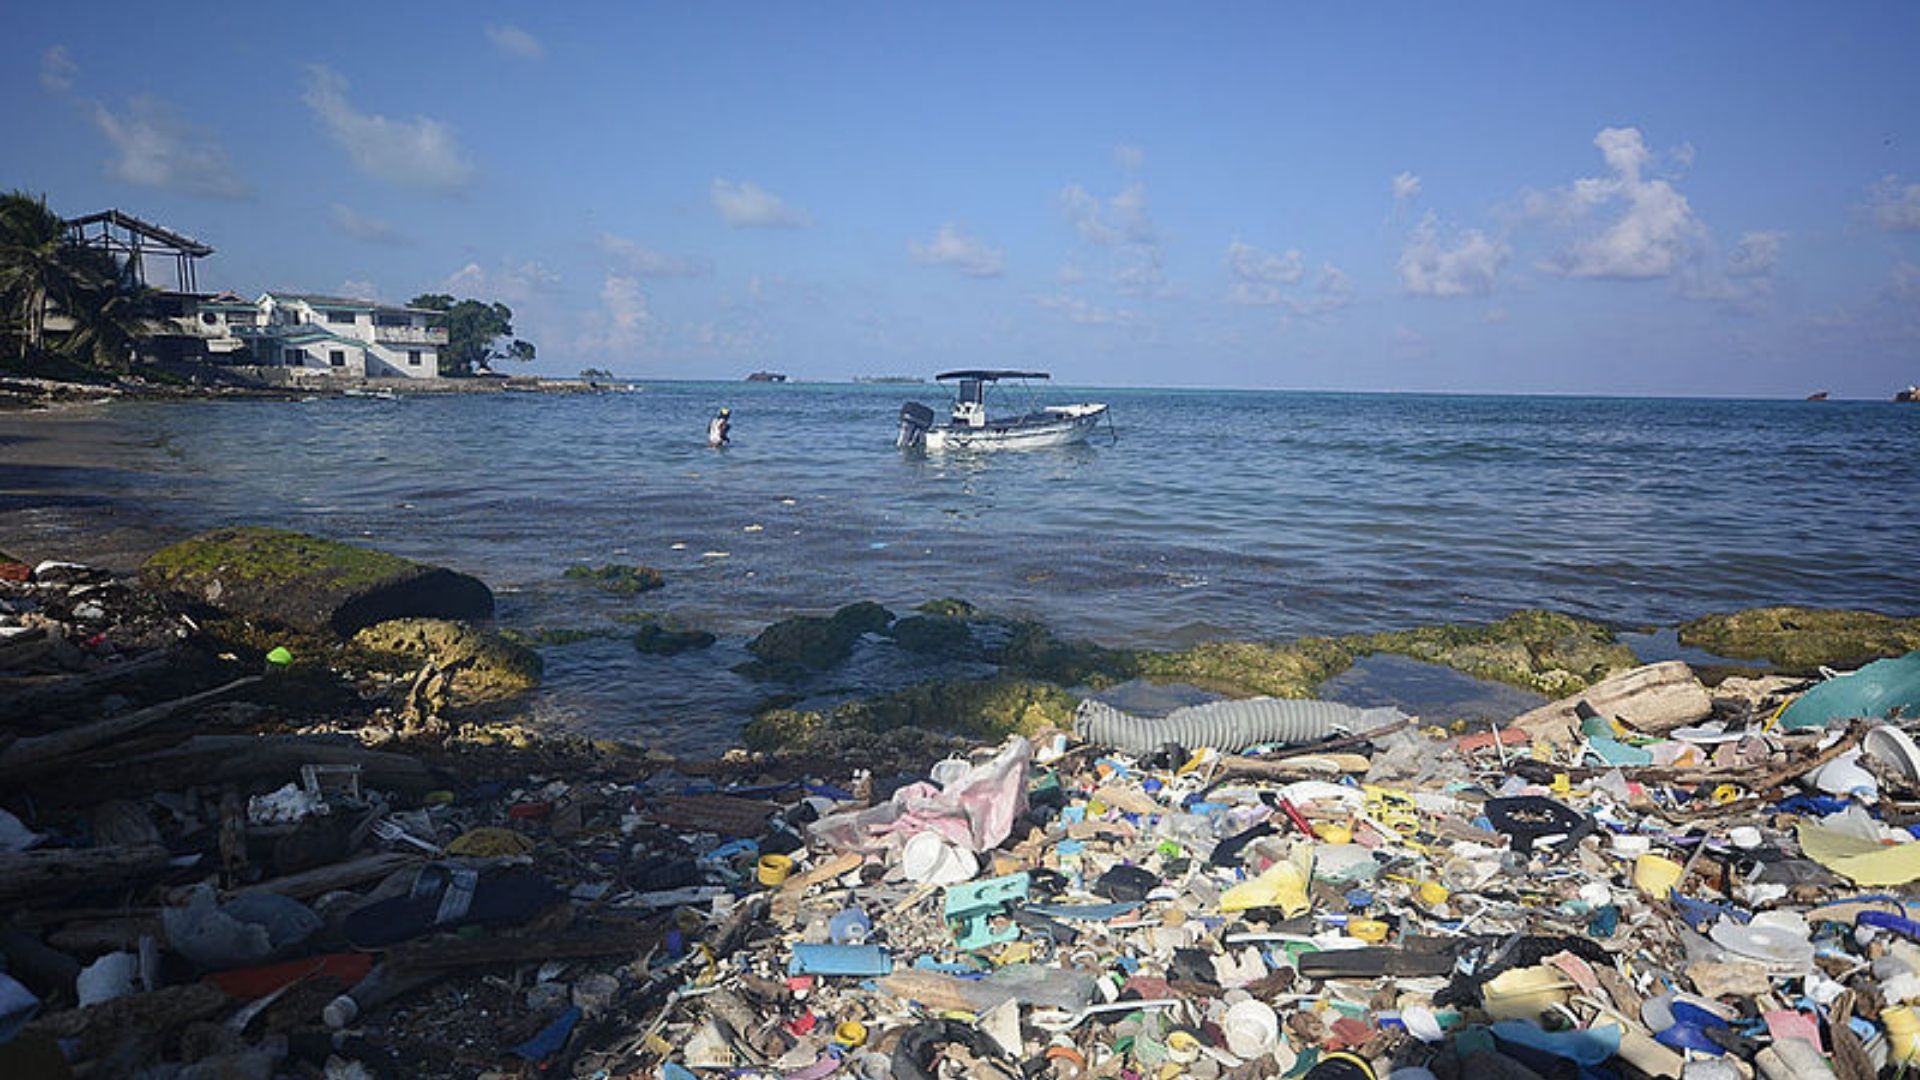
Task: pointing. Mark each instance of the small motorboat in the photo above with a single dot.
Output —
(968, 426)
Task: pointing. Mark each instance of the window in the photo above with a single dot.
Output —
(413, 357)
(337, 357)
(340, 317)
(296, 357)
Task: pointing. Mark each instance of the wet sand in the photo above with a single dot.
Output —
(67, 491)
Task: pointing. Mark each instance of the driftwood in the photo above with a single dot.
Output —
(445, 954)
(244, 759)
(41, 694)
(42, 875)
(35, 754)
(325, 879)
(1653, 699)
(121, 1028)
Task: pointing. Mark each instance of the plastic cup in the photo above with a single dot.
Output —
(1251, 1027)
(928, 859)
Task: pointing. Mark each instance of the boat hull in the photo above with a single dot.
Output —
(1060, 425)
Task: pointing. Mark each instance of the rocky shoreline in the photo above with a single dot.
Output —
(242, 784)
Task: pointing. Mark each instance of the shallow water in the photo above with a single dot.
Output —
(1213, 514)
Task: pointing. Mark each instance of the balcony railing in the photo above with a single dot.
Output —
(411, 335)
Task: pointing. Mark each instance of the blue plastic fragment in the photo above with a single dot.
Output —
(862, 960)
(551, 1038)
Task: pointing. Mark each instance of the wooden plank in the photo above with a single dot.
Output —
(43, 751)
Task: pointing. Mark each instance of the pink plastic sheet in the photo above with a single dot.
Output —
(976, 812)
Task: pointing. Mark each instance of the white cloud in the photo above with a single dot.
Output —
(1467, 266)
(1334, 289)
(1121, 221)
(1405, 186)
(359, 289)
(951, 246)
(1076, 310)
(420, 153)
(160, 149)
(1128, 156)
(1258, 275)
(1070, 273)
(747, 205)
(622, 324)
(643, 262)
(509, 282)
(1757, 253)
(516, 42)
(366, 227)
(57, 69)
(1655, 234)
(1121, 225)
(1894, 206)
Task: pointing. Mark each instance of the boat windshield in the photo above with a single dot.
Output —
(973, 391)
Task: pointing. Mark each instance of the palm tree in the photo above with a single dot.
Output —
(35, 265)
(111, 309)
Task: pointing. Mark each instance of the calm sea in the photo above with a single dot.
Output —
(1209, 515)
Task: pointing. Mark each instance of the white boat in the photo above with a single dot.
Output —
(968, 426)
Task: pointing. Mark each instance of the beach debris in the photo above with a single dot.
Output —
(1651, 877)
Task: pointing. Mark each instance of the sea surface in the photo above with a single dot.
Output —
(1206, 515)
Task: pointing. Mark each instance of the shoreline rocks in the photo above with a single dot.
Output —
(308, 584)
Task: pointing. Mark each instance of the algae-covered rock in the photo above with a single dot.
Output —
(1033, 651)
(618, 578)
(309, 584)
(553, 635)
(655, 638)
(977, 709)
(1243, 669)
(483, 666)
(813, 642)
(951, 607)
(1798, 639)
(1543, 651)
(933, 635)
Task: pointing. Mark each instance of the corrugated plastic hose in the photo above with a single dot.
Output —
(1229, 726)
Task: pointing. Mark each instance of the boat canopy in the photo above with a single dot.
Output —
(991, 375)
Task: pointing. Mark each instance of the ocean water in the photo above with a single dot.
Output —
(1209, 514)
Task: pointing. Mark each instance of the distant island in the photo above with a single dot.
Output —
(888, 380)
(766, 376)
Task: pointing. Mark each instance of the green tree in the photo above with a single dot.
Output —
(37, 268)
(111, 309)
(477, 332)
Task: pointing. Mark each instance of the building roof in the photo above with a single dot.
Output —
(321, 301)
(160, 234)
(307, 334)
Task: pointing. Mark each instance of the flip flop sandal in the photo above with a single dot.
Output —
(447, 897)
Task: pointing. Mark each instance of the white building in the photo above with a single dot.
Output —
(343, 336)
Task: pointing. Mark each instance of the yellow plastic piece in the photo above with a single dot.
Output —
(1656, 875)
(1371, 931)
(774, 869)
(1334, 832)
(850, 1034)
(1283, 885)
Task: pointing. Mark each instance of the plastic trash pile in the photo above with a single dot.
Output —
(1652, 878)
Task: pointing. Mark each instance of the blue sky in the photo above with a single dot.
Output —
(1717, 199)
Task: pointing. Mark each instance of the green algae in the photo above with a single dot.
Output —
(812, 642)
(1245, 668)
(1035, 652)
(617, 578)
(273, 557)
(985, 710)
(951, 607)
(1800, 640)
(485, 667)
(1544, 651)
(554, 635)
(934, 635)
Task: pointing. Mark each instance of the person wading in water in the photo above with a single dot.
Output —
(719, 428)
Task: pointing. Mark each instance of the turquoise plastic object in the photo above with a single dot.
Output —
(974, 909)
(1874, 692)
(1590, 1046)
(861, 960)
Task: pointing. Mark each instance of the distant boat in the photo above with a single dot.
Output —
(970, 428)
(1817, 395)
(766, 376)
(1910, 394)
(888, 380)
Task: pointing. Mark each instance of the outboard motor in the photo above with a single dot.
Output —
(915, 420)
